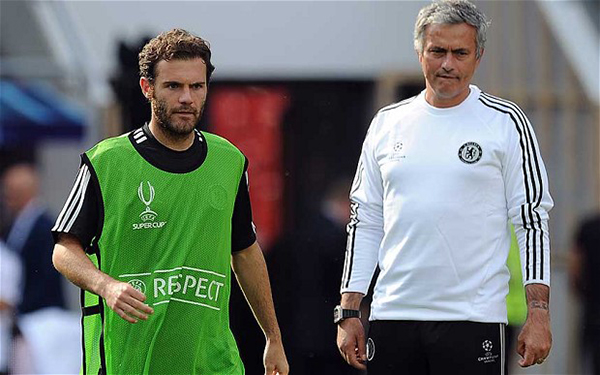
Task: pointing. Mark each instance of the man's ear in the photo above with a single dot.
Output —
(479, 59)
(146, 87)
(419, 56)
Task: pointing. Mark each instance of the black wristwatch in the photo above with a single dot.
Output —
(340, 314)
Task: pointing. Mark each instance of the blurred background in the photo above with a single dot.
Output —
(295, 87)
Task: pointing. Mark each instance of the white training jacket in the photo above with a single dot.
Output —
(430, 204)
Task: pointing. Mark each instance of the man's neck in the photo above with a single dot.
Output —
(169, 141)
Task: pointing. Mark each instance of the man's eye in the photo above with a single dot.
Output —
(172, 85)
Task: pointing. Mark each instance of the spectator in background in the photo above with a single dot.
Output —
(584, 271)
(10, 294)
(50, 331)
(30, 237)
(305, 268)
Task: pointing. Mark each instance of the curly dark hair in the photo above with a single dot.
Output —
(170, 45)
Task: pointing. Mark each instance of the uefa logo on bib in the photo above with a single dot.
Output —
(138, 285)
(148, 216)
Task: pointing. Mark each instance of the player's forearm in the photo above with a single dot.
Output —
(538, 298)
(70, 260)
(351, 300)
(251, 271)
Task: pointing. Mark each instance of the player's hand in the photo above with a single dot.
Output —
(274, 358)
(126, 301)
(351, 342)
(535, 339)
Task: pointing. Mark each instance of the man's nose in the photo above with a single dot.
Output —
(448, 62)
(186, 96)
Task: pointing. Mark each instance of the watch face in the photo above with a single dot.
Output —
(337, 314)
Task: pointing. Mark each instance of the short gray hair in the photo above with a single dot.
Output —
(451, 12)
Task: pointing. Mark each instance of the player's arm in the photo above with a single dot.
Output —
(535, 339)
(77, 224)
(528, 202)
(351, 333)
(70, 259)
(365, 232)
(251, 272)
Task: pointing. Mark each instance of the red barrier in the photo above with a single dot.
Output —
(251, 118)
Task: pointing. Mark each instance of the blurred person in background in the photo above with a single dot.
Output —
(155, 222)
(306, 266)
(43, 320)
(29, 236)
(10, 294)
(584, 272)
(439, 178)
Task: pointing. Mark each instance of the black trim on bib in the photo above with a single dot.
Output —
(102, 352)
(83, 361)
(99, 205)
(102, 316)
(163, 157)
(91, 310)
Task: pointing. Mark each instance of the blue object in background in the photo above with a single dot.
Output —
(29, 113)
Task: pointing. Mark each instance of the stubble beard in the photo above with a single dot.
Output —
(175, 130)
(448, 90)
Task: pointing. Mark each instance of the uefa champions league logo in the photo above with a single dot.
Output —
(487, 345)
(489, 357)
(147, 214)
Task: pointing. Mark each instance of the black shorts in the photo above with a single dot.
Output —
(435, 348)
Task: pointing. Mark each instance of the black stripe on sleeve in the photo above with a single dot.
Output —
(396, 105)
(528, 154)
(526, 183)
(86, 224)
(537, 197)
(351, 228)
(358, 178)
(76, 196)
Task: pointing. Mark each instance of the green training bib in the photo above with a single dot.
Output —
(169, 236)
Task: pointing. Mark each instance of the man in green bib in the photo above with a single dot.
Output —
(154, 223)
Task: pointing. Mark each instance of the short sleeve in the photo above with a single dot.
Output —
(243, 232)
(80, 214)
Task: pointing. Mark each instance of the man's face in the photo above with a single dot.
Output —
(448, 62)
(19, 187)
(177, 95)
